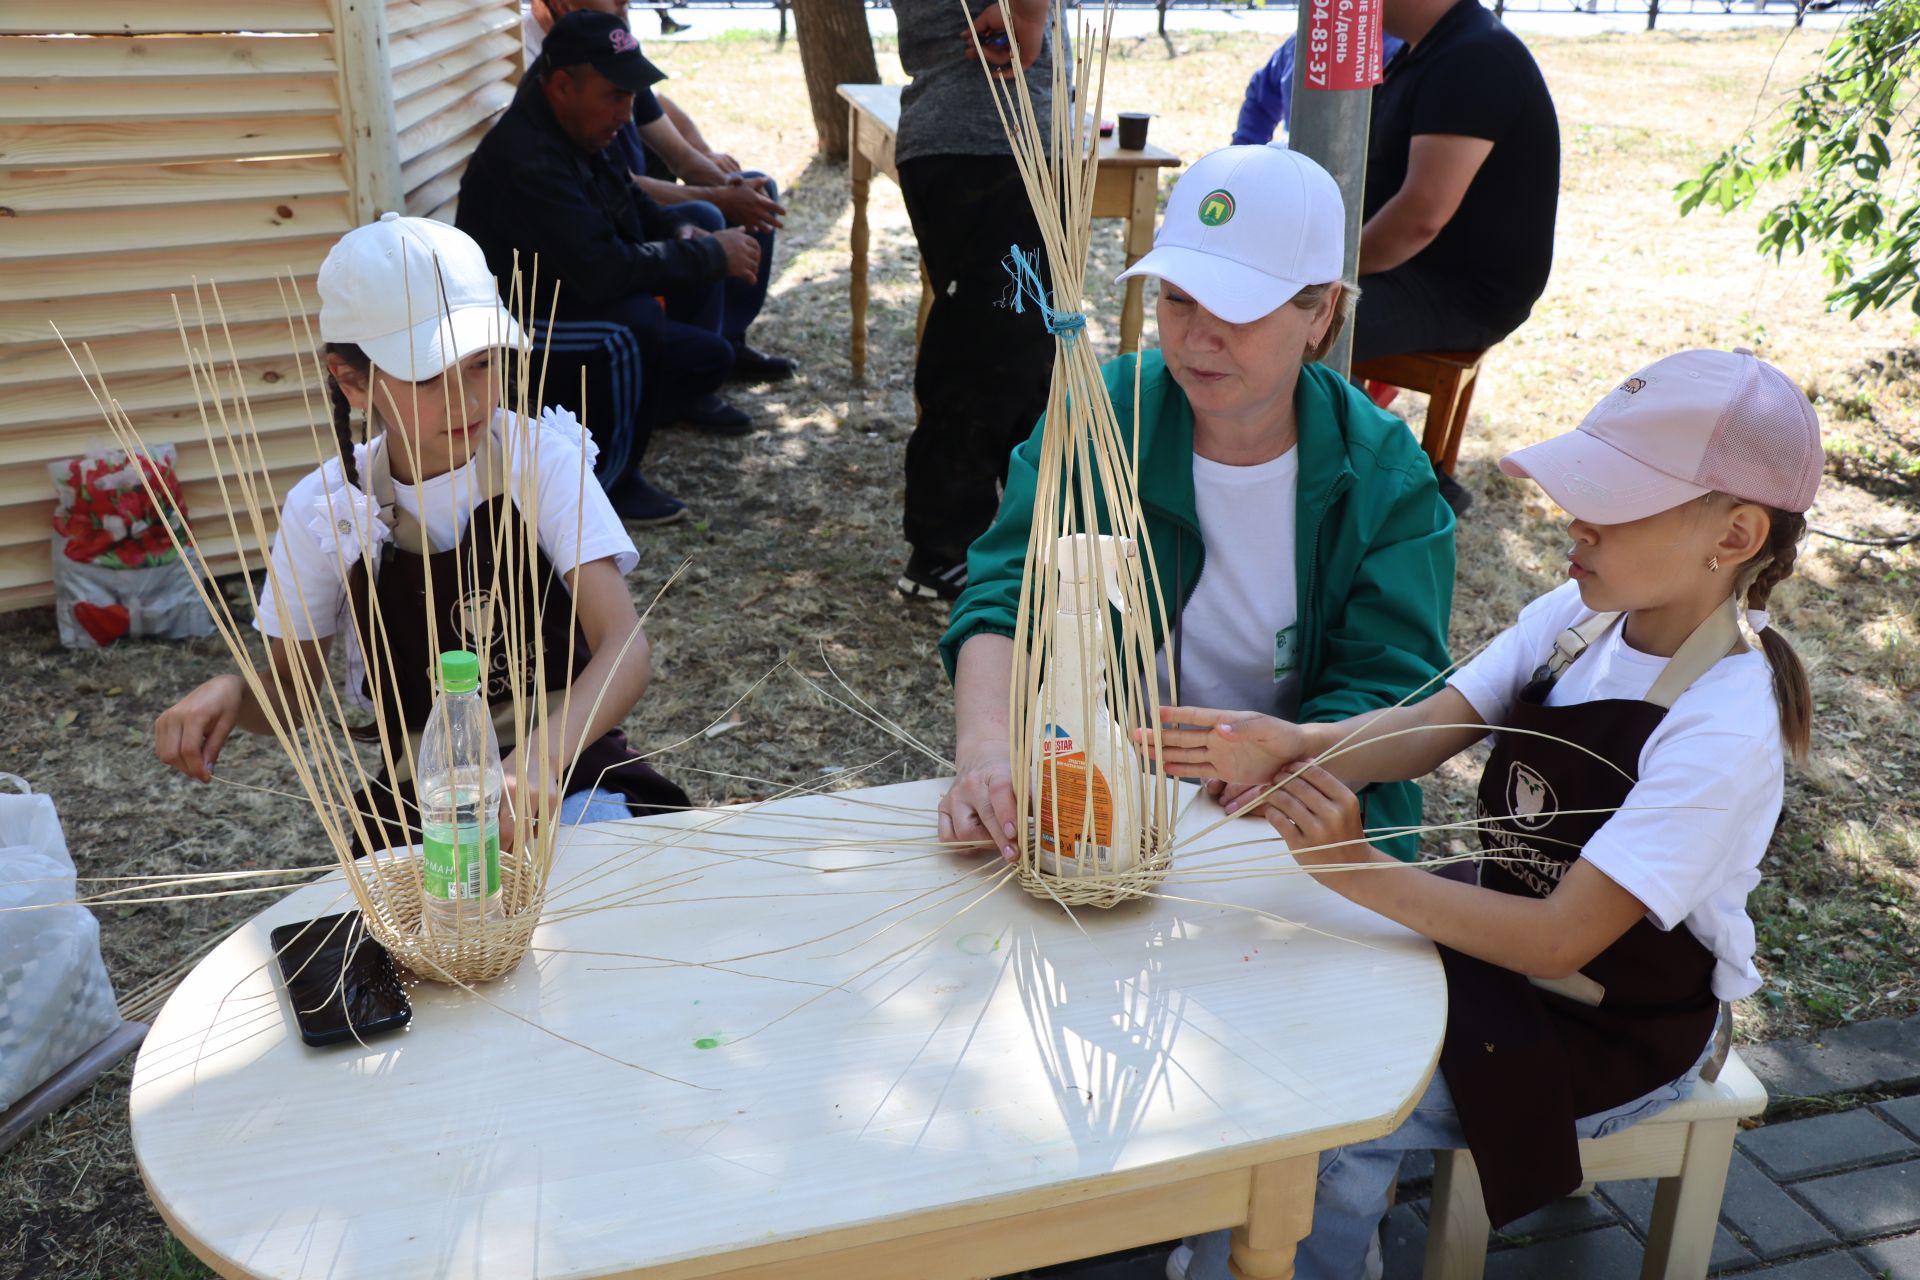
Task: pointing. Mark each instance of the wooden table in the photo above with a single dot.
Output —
(991, 1089)
(1127, 187)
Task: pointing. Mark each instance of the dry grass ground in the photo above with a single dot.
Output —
(797, 545)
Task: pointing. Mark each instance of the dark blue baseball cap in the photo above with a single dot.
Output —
(603, 42)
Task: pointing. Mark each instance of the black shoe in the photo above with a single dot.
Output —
(637, 502)
(1454, 494)
(931, 578)
(714, 416)
(757, 366)
(670, 26)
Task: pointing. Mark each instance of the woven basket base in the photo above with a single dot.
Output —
(1100, 890)
(472, 953)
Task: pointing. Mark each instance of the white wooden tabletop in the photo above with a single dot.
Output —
(860, 1075)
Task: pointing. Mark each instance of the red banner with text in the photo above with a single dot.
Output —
(1342, 48)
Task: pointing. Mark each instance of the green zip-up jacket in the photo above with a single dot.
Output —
(1374, 557)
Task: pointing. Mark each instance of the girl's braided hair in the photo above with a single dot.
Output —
(359, 587)
(342, 411)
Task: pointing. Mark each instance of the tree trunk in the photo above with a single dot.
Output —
(835, 48)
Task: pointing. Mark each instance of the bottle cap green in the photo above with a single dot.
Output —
(459, 671)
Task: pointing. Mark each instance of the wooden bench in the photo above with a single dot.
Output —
(1447, 379)
(1687, 1147)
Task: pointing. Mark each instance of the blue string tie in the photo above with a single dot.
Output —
(1023, 270)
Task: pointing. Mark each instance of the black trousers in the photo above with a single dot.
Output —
(983, 370)
(1406, 310)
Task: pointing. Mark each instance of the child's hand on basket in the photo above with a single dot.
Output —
(1232, 746)
(518, 801)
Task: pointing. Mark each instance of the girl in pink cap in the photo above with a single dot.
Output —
(1634, 783)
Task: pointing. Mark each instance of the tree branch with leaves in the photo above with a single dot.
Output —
(1848, 134)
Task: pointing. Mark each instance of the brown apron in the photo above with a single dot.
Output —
(1525, 1059)
(471, 617)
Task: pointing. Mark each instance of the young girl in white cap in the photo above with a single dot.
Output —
(413, 326)
(1624, 818)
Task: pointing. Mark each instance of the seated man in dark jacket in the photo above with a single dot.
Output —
(543, 185)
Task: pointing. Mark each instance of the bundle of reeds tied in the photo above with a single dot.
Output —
(302, 702)
(1102, 831)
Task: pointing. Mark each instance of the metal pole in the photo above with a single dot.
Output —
(1330, 127)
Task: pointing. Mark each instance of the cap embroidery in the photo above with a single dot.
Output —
(1216, 207)
(622, 40)
(1632, 385)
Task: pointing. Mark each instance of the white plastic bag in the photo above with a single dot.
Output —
(55, 999)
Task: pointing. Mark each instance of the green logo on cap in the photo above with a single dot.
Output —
(1216, 207)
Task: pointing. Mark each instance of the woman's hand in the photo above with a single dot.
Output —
(979, 807)
(189, 734)
(1318, 817)
(1232, 746)
(516, 801)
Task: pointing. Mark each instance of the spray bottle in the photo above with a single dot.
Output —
(1090, 777)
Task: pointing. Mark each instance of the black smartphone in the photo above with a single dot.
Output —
(343, 985)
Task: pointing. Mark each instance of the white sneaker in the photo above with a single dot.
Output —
(1178, 1261)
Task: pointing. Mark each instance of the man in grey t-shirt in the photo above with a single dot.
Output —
(982, 372)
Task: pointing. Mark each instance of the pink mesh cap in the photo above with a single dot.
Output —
(1694, 423)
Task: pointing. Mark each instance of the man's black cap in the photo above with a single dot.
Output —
(603, 42)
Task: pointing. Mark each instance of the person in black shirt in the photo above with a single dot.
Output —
(543, 183)
(1463, 178)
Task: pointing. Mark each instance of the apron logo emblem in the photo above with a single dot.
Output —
(1530, 800)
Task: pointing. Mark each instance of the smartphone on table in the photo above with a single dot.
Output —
(342, 983)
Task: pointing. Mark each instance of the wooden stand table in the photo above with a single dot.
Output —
(961, 1087)
(1127, 187)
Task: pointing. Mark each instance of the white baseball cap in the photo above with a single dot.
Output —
(414, 294)
(1687, 425)
(1246, 229)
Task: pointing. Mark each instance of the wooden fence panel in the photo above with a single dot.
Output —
(455, 66)
(149, 146)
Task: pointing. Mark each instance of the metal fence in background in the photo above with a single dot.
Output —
(1797, 9)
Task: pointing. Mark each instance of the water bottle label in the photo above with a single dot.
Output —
(462, 860)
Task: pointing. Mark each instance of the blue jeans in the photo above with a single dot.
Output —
(727, 308)
(597, 805)
(1355, 1182)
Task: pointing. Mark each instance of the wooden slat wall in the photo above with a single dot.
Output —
(147, 144)
(455, 65)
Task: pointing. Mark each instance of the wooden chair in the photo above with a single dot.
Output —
(1447, 379)
(1687, 1147)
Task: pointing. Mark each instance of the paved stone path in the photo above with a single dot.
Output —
(1831, 1195)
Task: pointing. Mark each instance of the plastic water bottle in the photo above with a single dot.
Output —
(459, 783)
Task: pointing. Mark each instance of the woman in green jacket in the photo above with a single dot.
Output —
(1302, 547)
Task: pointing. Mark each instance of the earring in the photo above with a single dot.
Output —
(1713, 564)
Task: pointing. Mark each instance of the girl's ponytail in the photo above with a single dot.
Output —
(1790, 688)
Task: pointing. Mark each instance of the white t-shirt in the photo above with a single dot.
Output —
(325, 523)
(1689, 837)
(532, 38)
(1238, 641)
